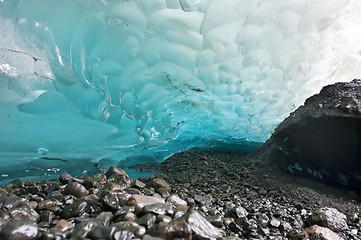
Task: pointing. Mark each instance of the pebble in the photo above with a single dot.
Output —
(201, 228)
(275, 222)
(158, 209)
(21, 229)
(73, 210)
(102, 232)
(172, 230)
(319, 233)
(330, 218)
(114, 200)
(75, 189)
(177, 203)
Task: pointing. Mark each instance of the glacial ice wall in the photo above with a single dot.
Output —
(102, 80)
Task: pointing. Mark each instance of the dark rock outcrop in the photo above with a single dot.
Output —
(322, 139)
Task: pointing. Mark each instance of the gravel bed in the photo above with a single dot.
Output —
(196, 195)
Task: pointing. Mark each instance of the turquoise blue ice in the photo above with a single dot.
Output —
(116, 81)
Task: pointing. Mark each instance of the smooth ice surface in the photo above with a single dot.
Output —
(104, 81)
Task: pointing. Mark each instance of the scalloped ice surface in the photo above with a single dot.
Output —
(90, 83)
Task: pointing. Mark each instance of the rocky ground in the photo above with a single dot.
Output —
(196, 195)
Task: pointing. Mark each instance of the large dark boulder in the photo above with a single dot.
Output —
(322, 139)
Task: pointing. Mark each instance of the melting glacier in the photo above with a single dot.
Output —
(90, 83)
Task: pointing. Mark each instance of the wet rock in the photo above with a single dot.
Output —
(123, 235)
(162, 192)
(82, 229)
(164, 218)
(330, 218)
(56, 195)
(102, 232)
(321, 139)
(177, 203)
(95, 181)
(352, 217)
(138, 184)
(149, 237)
(66, 178)
(173, 230)
(128, 216)
(73, 210)
(118, 176)
(132, 191)
(202, 199)
(75, 189)
(104, 218)
(158, 209)
(9, 201)
(237, 212)
(22, 229)
(285, 227)
(216, 220)
(200, 226)
(47, 216)
(318, 233)
(62, 226)
(113, 201)
(24, 212)
(275, 222)
(140, 201)
(130, 226)
(147, 220)
(159, 183)
(46, 204)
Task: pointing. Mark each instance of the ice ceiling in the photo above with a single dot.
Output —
(104, 80)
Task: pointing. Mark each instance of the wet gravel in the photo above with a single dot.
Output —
(196, 195)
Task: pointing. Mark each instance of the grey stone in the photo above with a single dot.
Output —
(24, 211)
(47, 216)
(138, 184)
(147, 220)
(113, 201)
(48, 203)
(130, 226)
(104, 218)
(319, 233)
(21, 229)
(118, 176)
(274, 222)
(123, 235)
(95, 181)
(330, 218)
(159, 183)
(164, 218)
(56, 195)
(173, 230)
(149, 237)
(140, 201)
(177, 203)
(202, 199)
(102, 232)
(158, 209)
(9, 201)
(62, 226)
(128, 216)
(216, 220)
(82, 229)
(75, 189)
(237, 212)
(200, 226)
(73, 210)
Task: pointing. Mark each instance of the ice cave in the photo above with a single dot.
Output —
(86, 84)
